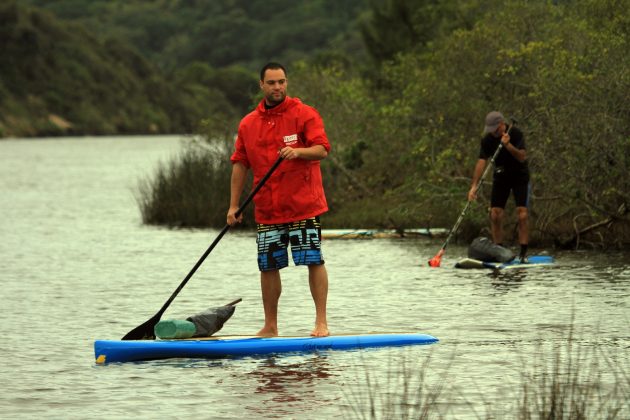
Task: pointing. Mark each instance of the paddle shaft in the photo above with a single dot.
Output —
(218, 238)
(134, 333)
(477, 187)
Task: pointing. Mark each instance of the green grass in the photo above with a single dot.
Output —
(192, 190)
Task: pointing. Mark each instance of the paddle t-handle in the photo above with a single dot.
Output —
(145, 331)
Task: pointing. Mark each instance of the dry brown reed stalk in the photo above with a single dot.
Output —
(408, 391)
(575, 379)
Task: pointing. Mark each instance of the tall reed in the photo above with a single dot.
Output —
(192, 190)
(575, 379)
(405, 393)
(567, 378)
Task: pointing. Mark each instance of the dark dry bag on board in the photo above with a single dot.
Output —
(211, 320)
(483, 249)
(203, 324)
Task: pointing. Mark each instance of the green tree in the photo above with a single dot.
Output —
(390, 27)
(562, 71)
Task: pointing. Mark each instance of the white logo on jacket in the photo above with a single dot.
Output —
(289, 140)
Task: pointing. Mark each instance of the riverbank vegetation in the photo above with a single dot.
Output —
(403, 87)
(406, 128)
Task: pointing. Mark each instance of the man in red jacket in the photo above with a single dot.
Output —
(288, 206)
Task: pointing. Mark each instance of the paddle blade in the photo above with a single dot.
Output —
(435, 261)
(144, 331)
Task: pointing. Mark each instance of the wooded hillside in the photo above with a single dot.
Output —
(113, 67)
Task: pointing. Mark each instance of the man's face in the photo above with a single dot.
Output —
(500, 130)
(274, 86)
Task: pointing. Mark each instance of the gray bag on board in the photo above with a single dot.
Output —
(211, 320)
(483, 249)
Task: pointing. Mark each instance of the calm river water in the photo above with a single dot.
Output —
(77, 264)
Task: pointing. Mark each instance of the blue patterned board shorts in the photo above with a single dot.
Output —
(304, 237)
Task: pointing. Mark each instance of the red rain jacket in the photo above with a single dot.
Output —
(295, 190)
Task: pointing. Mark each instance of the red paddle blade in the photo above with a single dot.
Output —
(435, 261)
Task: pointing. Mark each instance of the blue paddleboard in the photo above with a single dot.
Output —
(533, 261)
(108, 351)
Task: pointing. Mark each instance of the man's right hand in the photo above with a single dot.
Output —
(231, 218)
(472, 194)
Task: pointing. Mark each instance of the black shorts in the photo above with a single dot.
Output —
(503, 184)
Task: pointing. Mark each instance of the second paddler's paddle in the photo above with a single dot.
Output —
(437, 260)
(146, 330)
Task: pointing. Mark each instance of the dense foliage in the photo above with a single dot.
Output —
(406, 129)
(220, 33)
(112, 67)
(561, 70)
(403, 86)
(59, 78)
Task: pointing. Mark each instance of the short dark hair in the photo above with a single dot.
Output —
(272, 66)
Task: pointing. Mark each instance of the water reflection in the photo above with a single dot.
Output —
(289, 381)
(278, 378)
(507, 281)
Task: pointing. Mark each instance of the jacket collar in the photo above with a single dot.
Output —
(288, 103)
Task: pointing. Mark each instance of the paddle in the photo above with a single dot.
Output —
(145, 331)
(436, 261)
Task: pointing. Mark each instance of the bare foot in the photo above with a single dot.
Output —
(320, 331)
(267, 332)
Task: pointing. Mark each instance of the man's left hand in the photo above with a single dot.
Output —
(289, 153)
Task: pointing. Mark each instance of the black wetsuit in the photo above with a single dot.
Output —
(509, 173)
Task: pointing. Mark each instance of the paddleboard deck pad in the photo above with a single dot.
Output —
(108, 351)
(533, 261)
